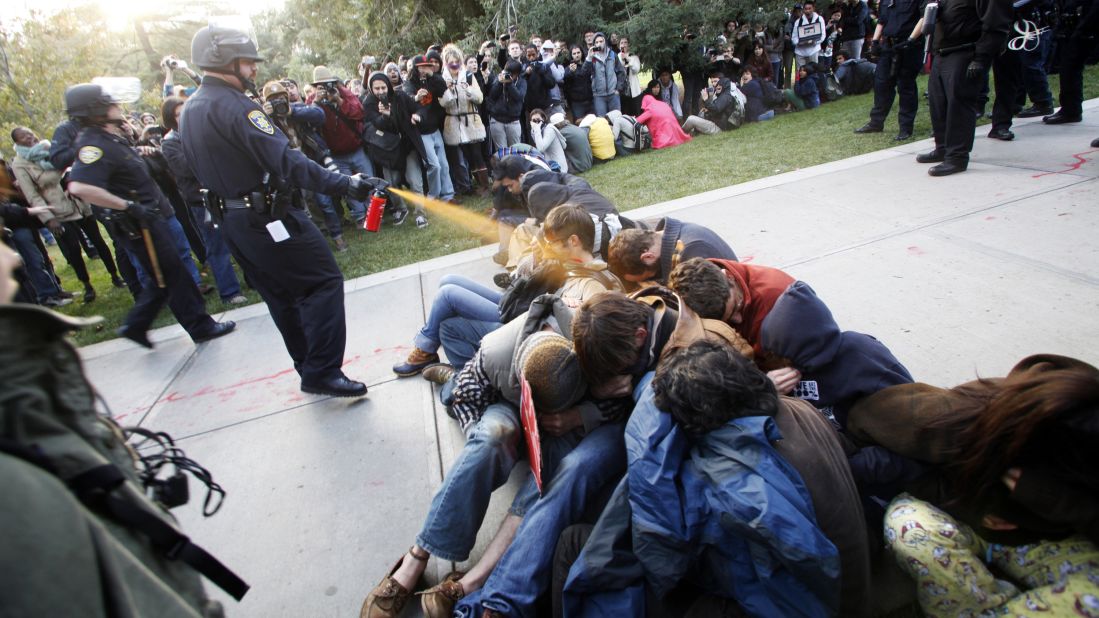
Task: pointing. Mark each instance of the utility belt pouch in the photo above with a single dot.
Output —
(119, 222)
(280, 203)
(214, 205)
(258, 202)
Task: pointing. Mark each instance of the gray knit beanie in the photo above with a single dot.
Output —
(548, 362)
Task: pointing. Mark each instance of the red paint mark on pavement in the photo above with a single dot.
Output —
(989, 218)
(747, 258)
(1072, 167)
(914, 250)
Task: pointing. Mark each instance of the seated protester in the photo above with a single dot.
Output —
(600, 136)
(543, 197)
(1006, 520)
(651, 255)
(623, 130)
(505, 105)
(856, 76)
(578, 91)
(548, 139)
(789, 326)
(617, 341)
(806, 91)
(670, 94)
(708, 426)
(756, 109)
(721, 110)
(661, 120)
(485, 399)
(508, 207)
(577, 148)
(759, 63)
(391, 135)
(463, 311)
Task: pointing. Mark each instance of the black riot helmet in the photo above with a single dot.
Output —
(215, 47)
(85, 101)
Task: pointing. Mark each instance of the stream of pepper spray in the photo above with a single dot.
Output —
(473, 221)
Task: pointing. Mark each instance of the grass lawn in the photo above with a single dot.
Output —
(789, 142)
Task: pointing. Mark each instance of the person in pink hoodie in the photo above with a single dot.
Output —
(661, 120)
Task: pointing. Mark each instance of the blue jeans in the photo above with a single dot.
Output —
(331, 217)
(523, 572)
(461, 338)
(217, 256)
(580, 109)
(606, 103)
(461, 297)
(767, 115)
(351, 163)
(1034, 71)
(43, 282)
(439, 185)
(183, 248)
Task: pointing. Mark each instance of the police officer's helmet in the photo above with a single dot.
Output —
(274, 89)
(215, 47)
(87, 101)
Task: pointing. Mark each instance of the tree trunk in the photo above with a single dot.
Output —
(10, 80)
(146, 45)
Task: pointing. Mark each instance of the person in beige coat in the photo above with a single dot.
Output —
(463, 129)
(66, 218)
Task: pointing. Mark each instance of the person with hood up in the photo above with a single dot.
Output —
(718, 108)
(505, 100)
(548, 139)
(463, 128)
(661, 120)
(392, 138)
(426, 87)
(605, 71)
(554, 70)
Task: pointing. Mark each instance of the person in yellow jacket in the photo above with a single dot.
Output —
(600, 137)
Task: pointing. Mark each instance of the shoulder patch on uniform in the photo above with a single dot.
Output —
(261, 121)
(89, 154)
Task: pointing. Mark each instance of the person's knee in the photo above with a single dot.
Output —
(497, 429)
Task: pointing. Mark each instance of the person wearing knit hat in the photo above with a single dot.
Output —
(548, 363)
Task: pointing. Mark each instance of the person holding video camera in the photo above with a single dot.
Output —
(606, 74)
(505, 101)
(253, 175)
(170, 64)
(342, 130)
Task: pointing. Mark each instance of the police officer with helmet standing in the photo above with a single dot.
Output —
(896, 48)
(968, 35)
(109, 173)
(254, 177)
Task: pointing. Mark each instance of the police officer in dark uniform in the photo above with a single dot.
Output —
(109, 173)
(253, 176)
(968, 35)
(1080, 27)
(895, 48)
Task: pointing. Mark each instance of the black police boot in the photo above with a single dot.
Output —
(1095, 143)
(1001, 134)
(1034, 111)
(339, 386)
(139, 337)
(935, 156)
(219, 329)
(89, 292)
(903, 136)
(947, 168)
(117, 281)
(869, 128)
(1060, 117)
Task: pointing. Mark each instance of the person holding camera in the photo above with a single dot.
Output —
(577, 82)
(605, 76)
(342, 130)
(463, 128)
(391, 136)
(426, 87)
(252, 175)
(109, 173)
(631, 64)
(718, 106)
(505, 101)
(807, 35)
(170, 64)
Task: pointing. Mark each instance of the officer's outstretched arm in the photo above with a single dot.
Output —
(96, 195)
(272, 151)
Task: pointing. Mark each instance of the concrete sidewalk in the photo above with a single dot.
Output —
(960, 276)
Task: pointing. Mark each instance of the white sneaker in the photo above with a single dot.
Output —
(239, 299)
(399, 216)
(421, 221)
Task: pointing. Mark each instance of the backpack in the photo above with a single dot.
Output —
(547, 278)
(639, 138)
(772, 96)
(736, 114)
(830, 89)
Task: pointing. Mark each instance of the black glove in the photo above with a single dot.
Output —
(143, 213)
(875, 49)
(976, 70)
(360, 187)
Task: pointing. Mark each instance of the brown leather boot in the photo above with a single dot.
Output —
(483, 183)
(439, 601)
(415, 363)
(388, 598)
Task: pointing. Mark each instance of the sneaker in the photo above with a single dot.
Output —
(117, 281)
(399, 216)
(341, 244)
(89, 294)
(239, 299)
(500, 257)
(438, 373)
(56, 301)
(502, 280)
(415, 363)
(421, 221)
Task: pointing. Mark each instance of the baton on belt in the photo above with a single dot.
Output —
(150, 249)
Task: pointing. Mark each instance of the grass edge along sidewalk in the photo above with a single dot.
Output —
(787, 143)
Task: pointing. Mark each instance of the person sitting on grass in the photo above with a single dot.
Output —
(661, 120)
(806, 91)
(721, 110)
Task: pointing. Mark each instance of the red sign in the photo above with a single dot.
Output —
(530, 430)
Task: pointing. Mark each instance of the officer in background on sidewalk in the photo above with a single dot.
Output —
(253, 177)
(968, 35)
(895, 47)
(109, 173)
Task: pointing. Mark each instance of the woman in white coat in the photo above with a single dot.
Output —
(631, 98)
(548, 139)
(463, 128)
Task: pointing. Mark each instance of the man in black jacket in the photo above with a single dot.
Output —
(968, 35)
(427, 88)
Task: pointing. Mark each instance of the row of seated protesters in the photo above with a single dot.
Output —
(715, 443)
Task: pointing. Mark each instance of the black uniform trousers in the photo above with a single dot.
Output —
(1007, 70)
(953, 101)
(180, 292)
(1073, 58)
(889, 85)
(71, 247)
(301, 283)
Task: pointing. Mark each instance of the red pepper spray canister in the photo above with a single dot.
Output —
(374, 213)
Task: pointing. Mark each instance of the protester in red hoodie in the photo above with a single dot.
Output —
(661, 120)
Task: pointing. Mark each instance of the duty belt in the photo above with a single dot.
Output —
(254, 200)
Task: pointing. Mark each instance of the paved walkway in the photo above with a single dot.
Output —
(959, 276)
